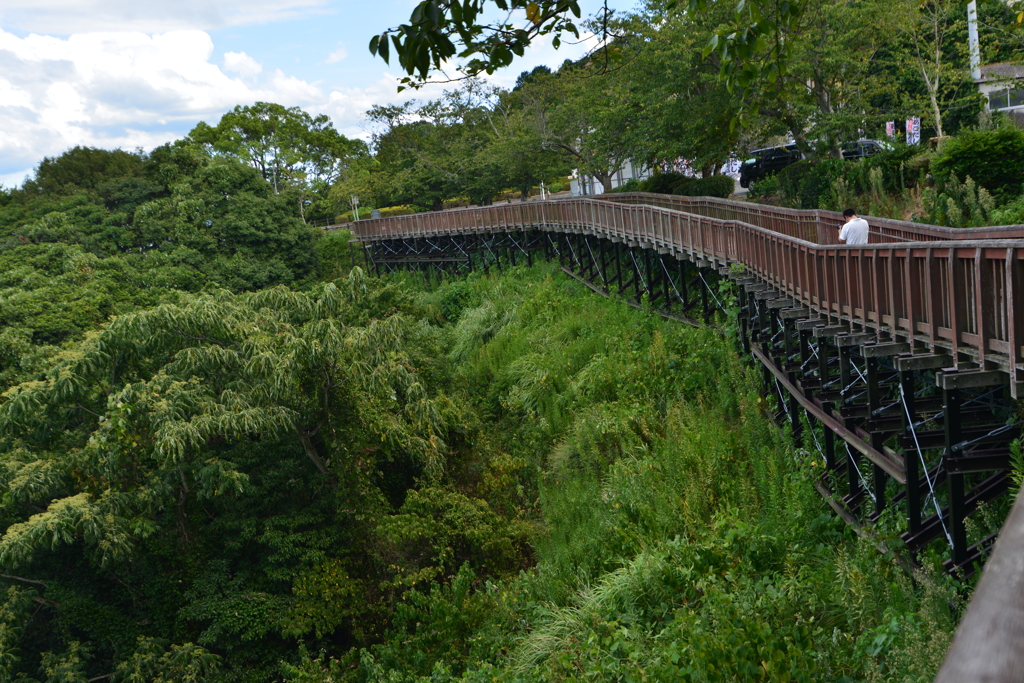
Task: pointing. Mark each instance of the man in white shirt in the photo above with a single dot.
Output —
(855, 230)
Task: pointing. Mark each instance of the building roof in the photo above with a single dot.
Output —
(1001, 72)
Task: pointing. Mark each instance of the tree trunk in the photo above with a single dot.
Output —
(605, 179)
(312, 454)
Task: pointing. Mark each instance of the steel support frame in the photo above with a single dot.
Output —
(901, 438)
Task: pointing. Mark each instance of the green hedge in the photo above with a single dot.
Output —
(386, 212)
(994, 159)
(679, 184)
(664, 183)
(713, 186)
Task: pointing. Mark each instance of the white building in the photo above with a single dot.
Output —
(1003, 86)
(587, 185)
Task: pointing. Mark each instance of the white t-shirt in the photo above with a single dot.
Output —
(855, 232)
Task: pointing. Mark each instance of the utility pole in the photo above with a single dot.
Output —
(972, 40)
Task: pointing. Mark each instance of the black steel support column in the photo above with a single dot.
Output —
(706, 313)
(955, 481)
(910, 459)
(618, 265)
(880, 478)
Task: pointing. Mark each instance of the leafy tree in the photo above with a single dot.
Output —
(83, 168)
(580, 115)
(518, 150)
(438, 150)
(665, 79)
(159, 435)
(423, 44)
(286, 145)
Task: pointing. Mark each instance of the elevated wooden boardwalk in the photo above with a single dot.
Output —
(905, 354)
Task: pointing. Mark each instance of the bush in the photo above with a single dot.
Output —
(714, 186)
(389, 211)
(1011, 213)
(765, 187)
(678, 188)
(631, 185)
(959, 205)
(993, 158)
(663, 183)
(555, 188)
(805, 184)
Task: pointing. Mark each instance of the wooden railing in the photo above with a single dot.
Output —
(961, 296)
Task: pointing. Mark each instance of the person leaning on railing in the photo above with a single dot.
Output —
(855, 230)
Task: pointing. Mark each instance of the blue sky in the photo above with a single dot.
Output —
(138, 73)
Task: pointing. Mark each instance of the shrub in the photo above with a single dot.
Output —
(404, 210)
(806, 184)
(959, 205)
(714, 186)
(765, 187)
(678, 188)
(1011, 213)
(791, 179)
(663, 182)
(993, 158)
(901, 165)
(631, 185)
(555, 188)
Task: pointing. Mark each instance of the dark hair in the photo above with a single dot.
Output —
(848, 213)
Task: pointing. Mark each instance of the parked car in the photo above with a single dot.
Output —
(766, 162)
(862, 148)
(771, 160)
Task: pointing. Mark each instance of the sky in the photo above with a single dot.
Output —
(139, 73)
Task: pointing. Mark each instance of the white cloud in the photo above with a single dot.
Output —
(338, 55)
(66, 17)
(241, 64)
(133, 89)
(121, 90)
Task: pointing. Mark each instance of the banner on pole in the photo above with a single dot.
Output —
(914, 130)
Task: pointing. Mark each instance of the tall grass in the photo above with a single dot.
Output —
(678, 534)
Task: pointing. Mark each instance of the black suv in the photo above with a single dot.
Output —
(766, 162)
(771, 160)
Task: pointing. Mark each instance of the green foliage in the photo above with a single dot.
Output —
(714, 186)
(495, 479)
(82, 248)
(389, 211)
(663, 183)
(154, 662)
(287, 146)
(337, 254)
(84, 168)
(1017, 474)
(764, 188)
(631, 185)
(993, 158)
(1011, 213)
(836, 184)
(959, 205)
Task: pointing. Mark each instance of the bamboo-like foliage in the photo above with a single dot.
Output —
(135, 418)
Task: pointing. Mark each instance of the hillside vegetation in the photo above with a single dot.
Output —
(498, 479)
(226, 454)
